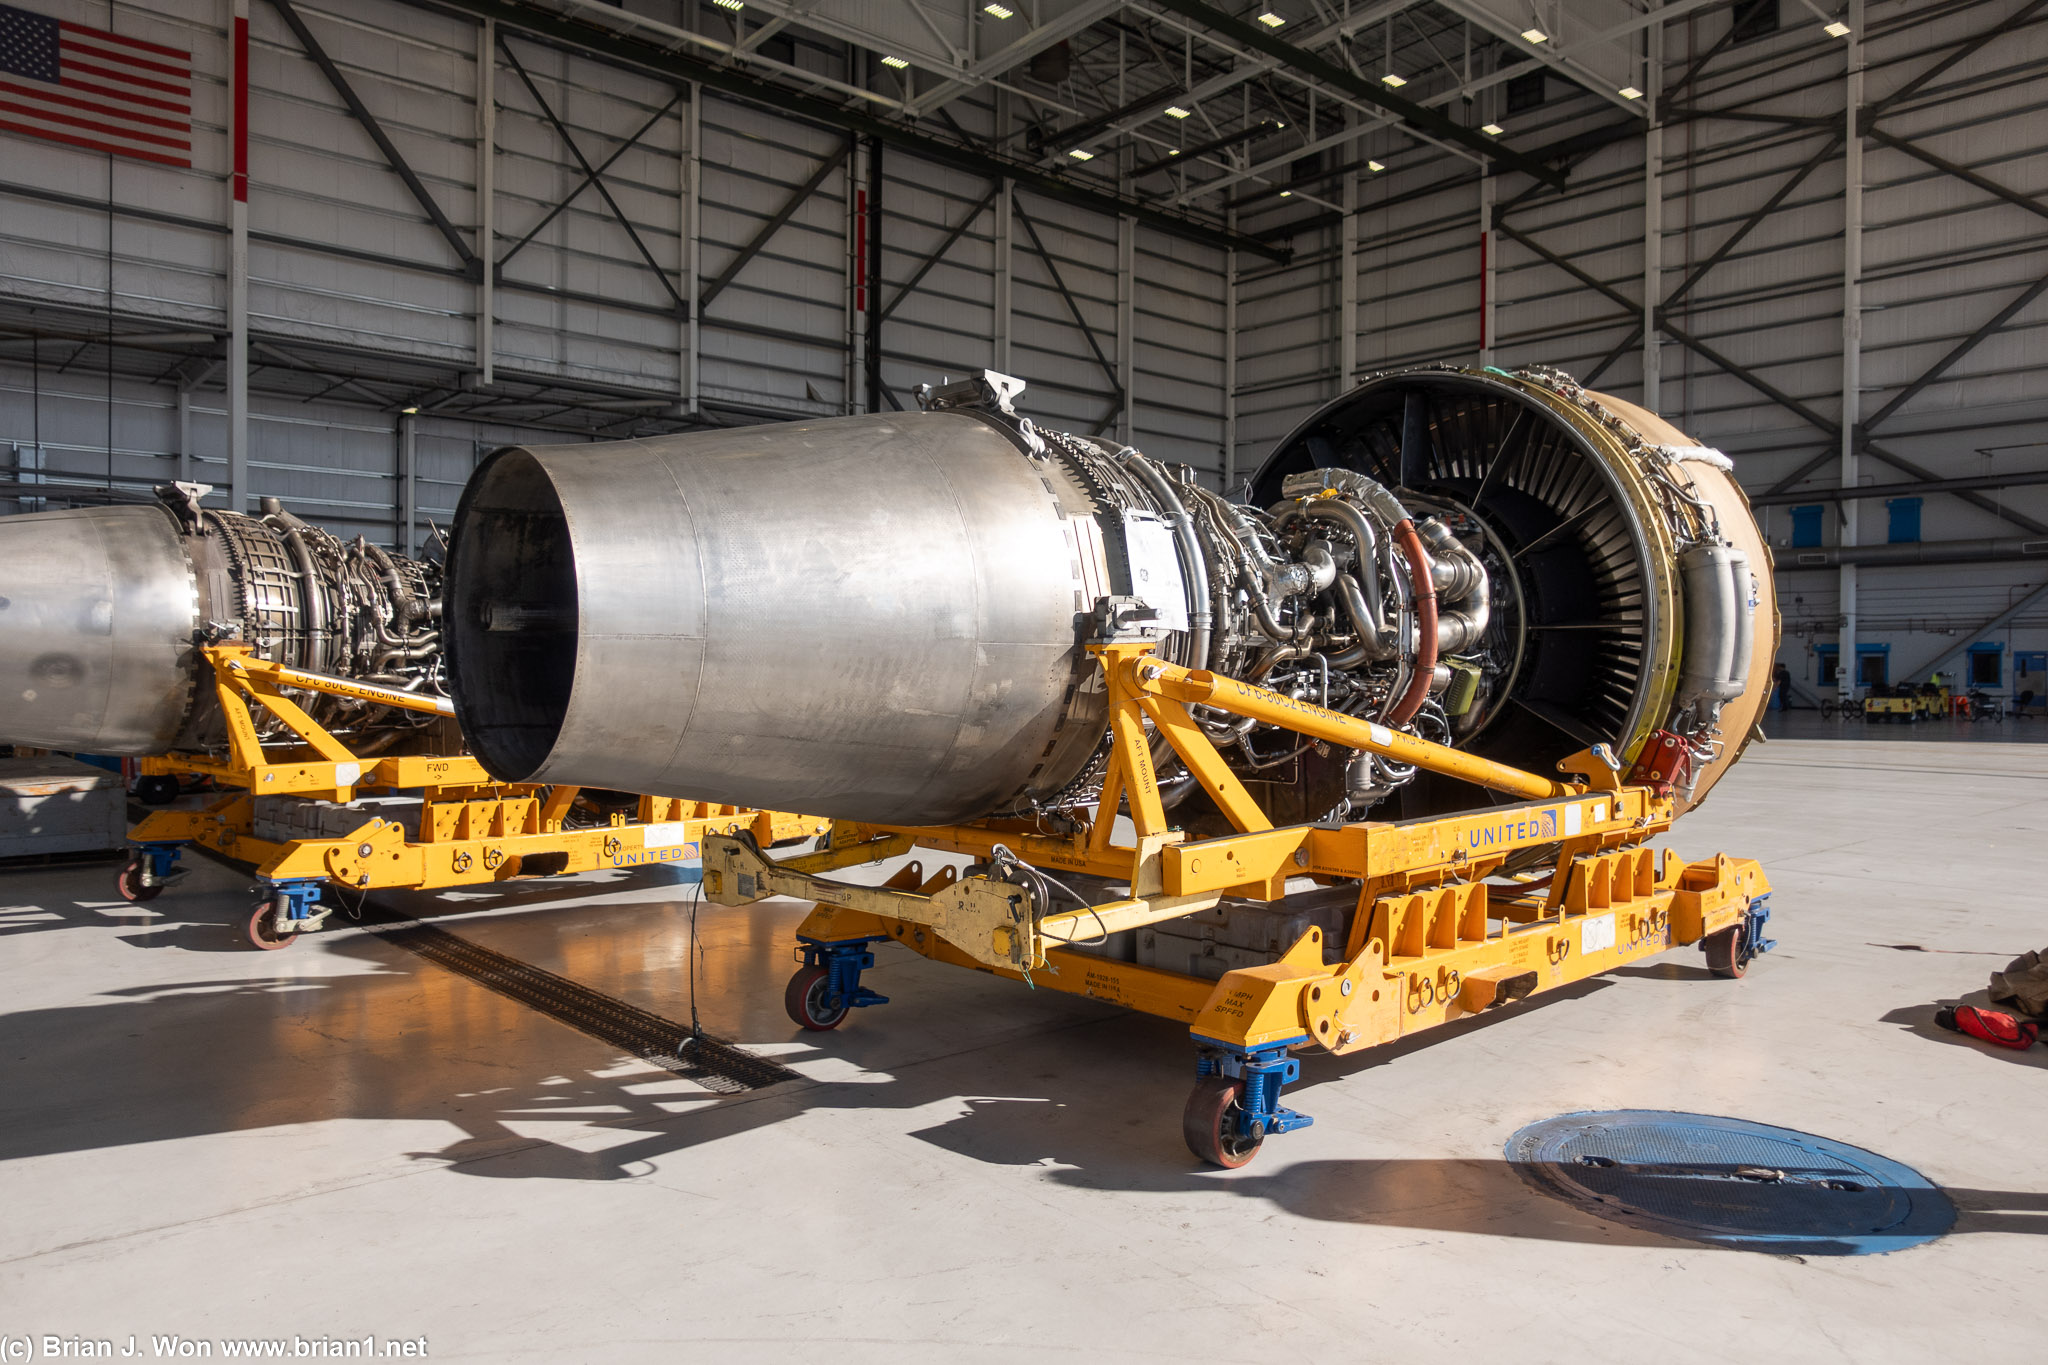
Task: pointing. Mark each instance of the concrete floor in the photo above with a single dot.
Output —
(341, 1140)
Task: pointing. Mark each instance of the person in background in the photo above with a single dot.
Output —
(1781, 679)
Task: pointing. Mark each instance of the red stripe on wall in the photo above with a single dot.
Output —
(860, 251)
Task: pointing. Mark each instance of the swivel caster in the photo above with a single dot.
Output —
(827, 987)
(129, 881)
(813, 1003)
(262, 926)
(1214, 1123)
(296, 900)
(1724, 953)
(1236, 1105)
(1731, 950)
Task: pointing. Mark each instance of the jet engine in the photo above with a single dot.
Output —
(103, 612)
(884, 618)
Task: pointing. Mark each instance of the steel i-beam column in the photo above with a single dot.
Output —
(1347, 280)
(856, 276)
(486, 198)
(184, 433)
(1486, 270)
(1653, 216)
(1849, 667)
(238, 259)
(999, 288)
(871, 266)
(692, 210)
(408, 483)
(1230, 364)
(1126, 324)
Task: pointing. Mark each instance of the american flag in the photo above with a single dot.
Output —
(90, 88)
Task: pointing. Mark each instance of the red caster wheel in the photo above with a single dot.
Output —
(129, 880)
(806, 1000)
(262, 928)
(1724, 953)
(1211, 1123)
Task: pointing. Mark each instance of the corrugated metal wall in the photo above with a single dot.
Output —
(345, 264)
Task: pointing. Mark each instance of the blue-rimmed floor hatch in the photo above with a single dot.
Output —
(1731, 1183)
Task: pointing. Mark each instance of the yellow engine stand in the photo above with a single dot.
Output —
(472, 830)
(1438, 932)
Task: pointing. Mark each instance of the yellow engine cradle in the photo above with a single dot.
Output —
(473, 830)
(1434, 939)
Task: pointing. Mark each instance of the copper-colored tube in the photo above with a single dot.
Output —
(1425, 623)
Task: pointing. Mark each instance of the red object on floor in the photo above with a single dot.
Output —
(2002, 1030)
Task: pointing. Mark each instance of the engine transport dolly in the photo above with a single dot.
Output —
(308, 813)
(1407, 924)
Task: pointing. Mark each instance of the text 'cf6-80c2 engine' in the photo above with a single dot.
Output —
(883, 618)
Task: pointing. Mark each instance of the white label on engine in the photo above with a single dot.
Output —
(1155, 569)
(1380, 734)
(1596, 935)
(664, 836)
(345, 774)
(1572, 815)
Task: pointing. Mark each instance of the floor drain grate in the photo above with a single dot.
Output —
(712, 1063)
(1731, 1183)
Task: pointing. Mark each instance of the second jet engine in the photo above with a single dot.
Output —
(884, 618)
(103, 612)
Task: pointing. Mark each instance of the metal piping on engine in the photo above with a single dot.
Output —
(313, 598)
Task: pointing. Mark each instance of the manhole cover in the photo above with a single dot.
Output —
(1731, 1183)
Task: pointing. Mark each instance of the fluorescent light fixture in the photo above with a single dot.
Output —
(1837, 29)
(1270, 19)
(734, 5)
(410, 412)
(1278, 124)
(1535, 35)
(1175, 111)
(1287, 194)
(1081, 154)
(1374, 166)
(1173, 151)
(1629, 92)
(896, 62)
(1492, 129)
(999, 11)
(1393, 82)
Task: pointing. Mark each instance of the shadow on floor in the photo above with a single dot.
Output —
(212, 920)
(395, 1038)
(1492, 1198)
(291, 1040)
